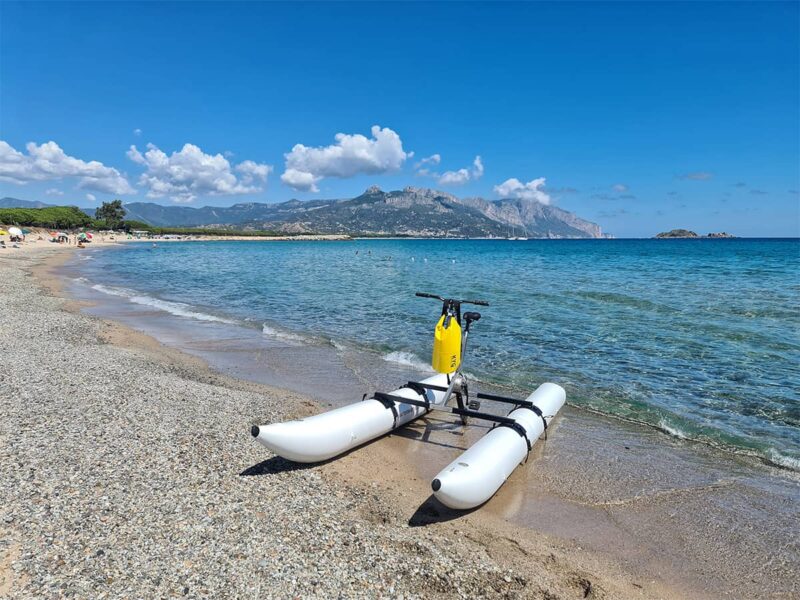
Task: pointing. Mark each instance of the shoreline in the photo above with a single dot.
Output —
(357, 514)
(770, 458)
(394, 500)
(245, 238)
(589, 490)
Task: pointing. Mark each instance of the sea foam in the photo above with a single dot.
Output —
(784, 461)
(408, 359)
(178, 309)
(271, 331)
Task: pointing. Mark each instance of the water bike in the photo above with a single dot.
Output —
(473, 477)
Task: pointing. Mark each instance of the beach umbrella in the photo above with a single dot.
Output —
(14, 231)
(89, 235)
(25, 231)
(81, 236)
(3, 232)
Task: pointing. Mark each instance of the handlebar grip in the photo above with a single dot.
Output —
(478, 302)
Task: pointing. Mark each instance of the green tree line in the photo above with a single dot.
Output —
(109, 216)
(140, 226)
(71, 217)
(55, 217)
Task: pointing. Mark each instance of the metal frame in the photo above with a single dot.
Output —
(457, 383)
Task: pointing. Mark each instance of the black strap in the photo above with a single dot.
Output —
(417, 387)
(539, 413)
(425, 386)
(505, 399)
(520, 430)
(388, 403)
(391, 401)
(384, 398)
(519, 403)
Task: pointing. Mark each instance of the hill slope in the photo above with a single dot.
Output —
(9, 202)
(411, 211)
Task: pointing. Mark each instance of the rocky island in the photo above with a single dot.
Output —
(688, 234)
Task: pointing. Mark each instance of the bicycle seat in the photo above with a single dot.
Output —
(472, 316)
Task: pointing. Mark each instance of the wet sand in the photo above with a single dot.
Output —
(656, 516)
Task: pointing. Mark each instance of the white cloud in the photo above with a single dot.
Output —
(137, 132)
(186, 174)
(454, 177)
(620, 187)
(514, 188)
(458, 177)
(49, 162)
(477, 168)
(350, 155)
(54, 192)
(91, 197)
(252, 171)
(433, 159)
(463, 175)
(300, 180)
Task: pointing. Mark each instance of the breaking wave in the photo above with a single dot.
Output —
(673, 431)
(784, 461)
(408, 359)
(274, 332)
(178, 309)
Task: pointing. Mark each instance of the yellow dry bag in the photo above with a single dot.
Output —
(447, 345)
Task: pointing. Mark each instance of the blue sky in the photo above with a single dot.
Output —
(639, 116)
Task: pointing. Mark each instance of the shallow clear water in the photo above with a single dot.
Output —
(700, 338)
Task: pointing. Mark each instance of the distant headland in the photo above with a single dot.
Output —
(686, 233)
(410, 212)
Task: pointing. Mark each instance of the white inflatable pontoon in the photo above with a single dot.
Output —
(468, 481)
(329, 434)
(473, 477)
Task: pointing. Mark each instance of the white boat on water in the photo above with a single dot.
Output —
(513, 237)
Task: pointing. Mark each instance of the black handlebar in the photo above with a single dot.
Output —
(435, 297)
(425, 295)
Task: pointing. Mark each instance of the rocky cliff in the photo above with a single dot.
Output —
(411, 211)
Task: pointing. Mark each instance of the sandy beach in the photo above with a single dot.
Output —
(129, 471)
(523, 278)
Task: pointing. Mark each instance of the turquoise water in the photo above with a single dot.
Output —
(700, 338)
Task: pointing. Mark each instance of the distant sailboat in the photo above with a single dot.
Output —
(515, 238)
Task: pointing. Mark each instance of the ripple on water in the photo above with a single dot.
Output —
(701, 339)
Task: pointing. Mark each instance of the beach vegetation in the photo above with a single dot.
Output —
(111, 213)
(55, 217)
(133, 225)
(189, 231)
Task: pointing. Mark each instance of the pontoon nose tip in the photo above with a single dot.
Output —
(436, 485)
(254, 431)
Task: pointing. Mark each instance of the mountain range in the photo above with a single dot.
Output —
(412, 211)
(9, 202)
